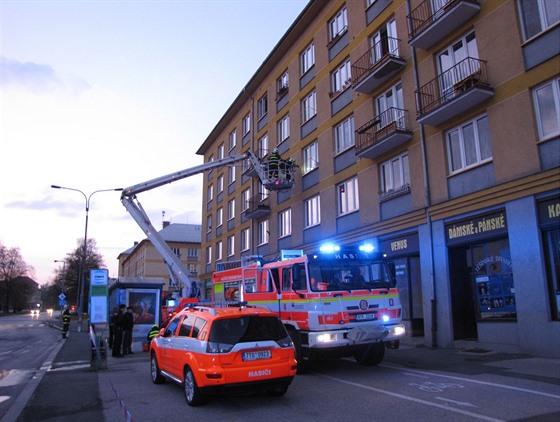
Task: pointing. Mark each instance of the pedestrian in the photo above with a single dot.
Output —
(118, 323)
(153, 332)
(112, 328)
(65, 322)
(128, 325)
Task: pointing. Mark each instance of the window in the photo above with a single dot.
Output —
(192, 253)
(220, 183)
(263, 146)
(307, 58)
(384, 42)
(395, 173)
(338, 24)
(176, 251)
(309, 107)
(245, 199)
(245, 239)
(209, 223)
(210, 192)
(284, 129)
(348, 196)
(282, 84)
(192, 269)
(390, 107)
(538, 15)
(218, 251)
(451, 56)
(262, 106)
(221, 152)
(312, 211)
(220, 217)
(468, 145)
(263, 192)
(231, 174)
(208, 255)
(340, 78)
(263, 232)
(547, 108)
(310, 157)
(231, 209)
(285, 223)
(232, 140)
(231, 245)
(344, 135)
(246, 124)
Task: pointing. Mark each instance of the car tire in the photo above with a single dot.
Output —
(157, 377)
(302, 365)
(192, 393)
(371, 355)
(278, 391)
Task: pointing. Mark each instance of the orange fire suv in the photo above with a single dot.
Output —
(213, 350)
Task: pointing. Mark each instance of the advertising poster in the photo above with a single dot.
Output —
(145, 305)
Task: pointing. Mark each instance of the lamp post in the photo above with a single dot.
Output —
(63, 272)
(83, 264)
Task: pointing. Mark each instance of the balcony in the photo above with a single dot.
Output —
(257, 207)
(429, 24)
(453, 92)
(383, 133)
(376, 66)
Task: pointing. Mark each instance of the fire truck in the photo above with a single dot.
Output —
(277, 175)
(335, 303)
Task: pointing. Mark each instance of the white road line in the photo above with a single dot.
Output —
(459, 403)
(414, 399)
(491, 384)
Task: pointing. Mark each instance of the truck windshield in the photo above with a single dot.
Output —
(326, 276)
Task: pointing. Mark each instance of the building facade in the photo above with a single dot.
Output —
(431, 127)
(144, 261)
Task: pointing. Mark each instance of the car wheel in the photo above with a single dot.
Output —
(301, 362)
(192, 394)
(277, 392)
(371, 355)
(157, 377)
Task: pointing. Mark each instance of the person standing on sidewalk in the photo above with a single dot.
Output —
(118, 323)
(127, 329)
(65, 322)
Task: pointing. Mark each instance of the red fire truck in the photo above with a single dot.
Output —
(336, 303)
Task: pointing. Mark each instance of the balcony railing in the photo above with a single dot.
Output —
(466, 75)
(383, 133)
(257, 206)
(378, 62)
(434, 19)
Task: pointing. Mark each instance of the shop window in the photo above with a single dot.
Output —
(552, 238)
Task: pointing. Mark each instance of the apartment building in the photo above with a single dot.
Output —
(431, 127)
(144, 261)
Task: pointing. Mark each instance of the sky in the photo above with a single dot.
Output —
(106, 94)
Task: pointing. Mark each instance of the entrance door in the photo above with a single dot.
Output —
(462, 295)
(409, 282)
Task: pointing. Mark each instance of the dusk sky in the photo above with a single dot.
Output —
(107, 94)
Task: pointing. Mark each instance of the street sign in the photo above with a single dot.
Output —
(62, 296)
(61, 302)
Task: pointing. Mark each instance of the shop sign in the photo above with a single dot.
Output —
(405, 244)
(477, 228)
(549, 211)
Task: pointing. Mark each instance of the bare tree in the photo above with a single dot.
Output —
(12, 268)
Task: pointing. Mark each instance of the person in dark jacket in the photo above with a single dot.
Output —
(65, 322)
(127, 331)
(118, 324)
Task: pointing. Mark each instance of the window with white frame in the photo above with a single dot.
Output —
(312, 211)
(210, 193)
(384, 41)
(221, 152)
(344, 135)
(219, 217)
(177, 251)
(208, 254)
(338, 24)
(232, 170)
(192, 252)
(468, 145)
(340, 78)
(310, 157)
(262, 233)
(246, 124)
(220, 183)
(262, 106)
(245, 239)
(538, 15)
(246, 199)
(209, 223)
(263, 192)
(309, 107)
(263, 146)
(307, 58)
(450, 57)
(395, 173)
(284, 129)
(348, 196)
(219, 251)
(193, 269)
(231, 209)
(231, 245)
(390, 107)
(285, 223)
(547, 108)
(232, 139)
(282, 83)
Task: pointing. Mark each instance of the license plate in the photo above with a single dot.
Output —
(364, 317)
(260, 354)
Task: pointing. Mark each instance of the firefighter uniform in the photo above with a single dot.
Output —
(153, 332)
(65, 322)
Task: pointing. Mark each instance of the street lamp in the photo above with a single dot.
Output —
(83, 264)
(63, 272)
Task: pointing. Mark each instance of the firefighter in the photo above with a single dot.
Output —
(65, 322)
(153, 332)
(273, 163)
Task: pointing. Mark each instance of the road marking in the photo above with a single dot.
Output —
(414, 399)
(491, 384)
(459, 403)
(69, 367)
(4, 398)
